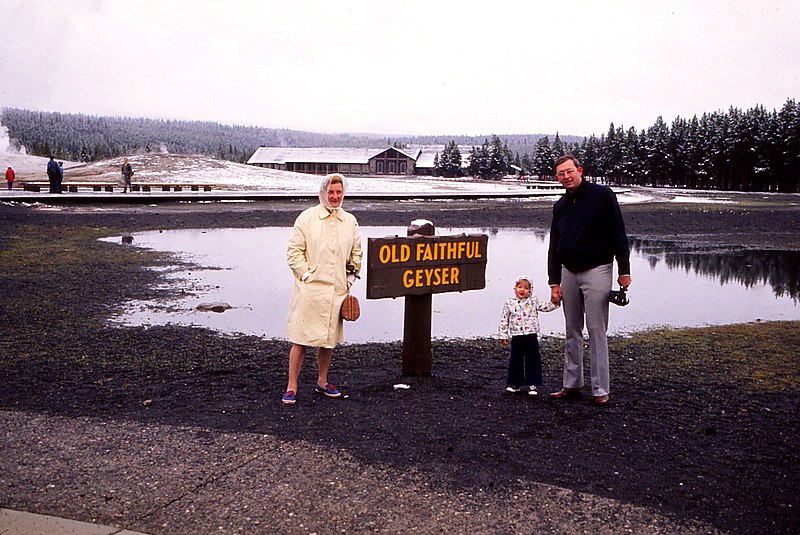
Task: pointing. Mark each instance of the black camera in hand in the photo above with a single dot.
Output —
(618, 297)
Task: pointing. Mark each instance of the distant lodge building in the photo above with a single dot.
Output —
(348, 161)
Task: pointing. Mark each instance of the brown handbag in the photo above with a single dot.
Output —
(351, 310)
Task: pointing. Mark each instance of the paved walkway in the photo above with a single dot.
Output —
(149, 477)
(20, 522)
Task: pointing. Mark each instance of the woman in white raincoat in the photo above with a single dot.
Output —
(324, 240)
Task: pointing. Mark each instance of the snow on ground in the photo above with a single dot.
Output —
(635, 197)
(20, 161)
(203, 170)
(224, 175)
(697, 199)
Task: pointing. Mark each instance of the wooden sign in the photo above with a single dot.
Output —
(418, 265)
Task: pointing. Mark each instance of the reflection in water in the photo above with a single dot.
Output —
(672, 285)
(779, 269)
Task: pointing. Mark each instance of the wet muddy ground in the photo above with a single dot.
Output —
(701, 433)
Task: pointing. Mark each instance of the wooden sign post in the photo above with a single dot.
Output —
(418, 266)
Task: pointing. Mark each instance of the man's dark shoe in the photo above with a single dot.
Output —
(601, 400)
(566, 393)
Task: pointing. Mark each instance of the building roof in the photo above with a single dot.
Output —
(281, 155)
(425, 157)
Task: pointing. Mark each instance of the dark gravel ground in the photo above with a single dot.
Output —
(179, 430)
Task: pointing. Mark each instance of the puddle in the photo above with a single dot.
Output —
(672, 285)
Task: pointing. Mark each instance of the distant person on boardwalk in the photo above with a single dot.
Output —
(586, 235)
(10, 176)
(127, 174)
(324, 240)
(60, 177)
(54, 176)
(519, 330)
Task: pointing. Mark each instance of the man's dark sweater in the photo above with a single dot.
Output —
(587, 231)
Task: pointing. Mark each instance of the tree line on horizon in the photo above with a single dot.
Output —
(752, 150)
(87, 138)
(735, 150)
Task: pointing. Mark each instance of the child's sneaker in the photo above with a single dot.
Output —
(289, 397)
(532, 391)
(513, 389)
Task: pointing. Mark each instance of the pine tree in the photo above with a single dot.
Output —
(611, 154)
(631, 162)
(558, 148)
(589, 156)
(543, 159)
(789, 129)
(656, 150)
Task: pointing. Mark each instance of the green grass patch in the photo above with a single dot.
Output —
(759, 356)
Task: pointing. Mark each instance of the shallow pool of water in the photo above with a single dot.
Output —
(672, 285)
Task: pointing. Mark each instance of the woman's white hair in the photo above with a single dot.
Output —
(334, 178)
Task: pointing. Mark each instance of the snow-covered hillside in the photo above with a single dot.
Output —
(226, 175)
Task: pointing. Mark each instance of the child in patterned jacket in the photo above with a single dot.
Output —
(519, 328)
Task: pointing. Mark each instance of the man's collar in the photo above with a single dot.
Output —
(579, 190)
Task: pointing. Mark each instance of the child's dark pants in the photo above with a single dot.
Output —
(525, 363)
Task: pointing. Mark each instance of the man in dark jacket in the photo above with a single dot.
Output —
(586, 235)
(54, 176)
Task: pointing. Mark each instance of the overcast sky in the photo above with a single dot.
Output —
(406, 67)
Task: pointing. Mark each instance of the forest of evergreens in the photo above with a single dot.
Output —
(85, 138)
(751, 150)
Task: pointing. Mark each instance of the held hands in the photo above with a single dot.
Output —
(555, 294)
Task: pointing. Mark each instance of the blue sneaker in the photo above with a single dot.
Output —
(329, 391)
(289, 397)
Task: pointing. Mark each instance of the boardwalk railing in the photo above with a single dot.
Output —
(73, 187)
